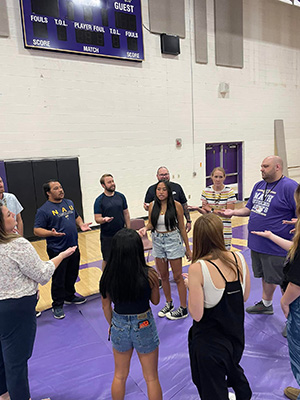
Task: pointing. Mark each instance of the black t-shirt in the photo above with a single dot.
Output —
(177, 191)
(291, 270)
(139, 306)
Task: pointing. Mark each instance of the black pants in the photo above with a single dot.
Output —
(213, 371)
(17, 334)
(64, 278)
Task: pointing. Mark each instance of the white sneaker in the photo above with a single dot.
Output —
(231, 396)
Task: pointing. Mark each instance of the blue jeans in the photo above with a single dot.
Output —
(167, 245)
(134, 331)
(293, 337)
(17, 334)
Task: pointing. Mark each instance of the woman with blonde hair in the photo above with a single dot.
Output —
(290, 301)
(218, 197)
(218, 283)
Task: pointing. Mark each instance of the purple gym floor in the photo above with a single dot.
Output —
(72, 358)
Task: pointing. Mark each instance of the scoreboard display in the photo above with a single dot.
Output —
(96, 27)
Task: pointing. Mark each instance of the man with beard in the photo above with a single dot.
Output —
(111, 212)
(56, 221)
(271, 202)
(163, 174)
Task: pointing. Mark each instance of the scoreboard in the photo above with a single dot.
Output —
(96, 27)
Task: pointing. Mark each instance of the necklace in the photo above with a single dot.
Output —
(216, 197)
(270, 190)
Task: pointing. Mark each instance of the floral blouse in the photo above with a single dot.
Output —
(21, 269)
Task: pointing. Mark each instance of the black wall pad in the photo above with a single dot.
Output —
(200, 22)
(43, 170)
(68, 175)
(20, 182)
(25, 180)
(169, 44)
(229, 33)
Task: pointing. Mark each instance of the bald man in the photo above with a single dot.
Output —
(271, 202)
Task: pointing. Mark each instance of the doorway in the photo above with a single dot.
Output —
(229, 157)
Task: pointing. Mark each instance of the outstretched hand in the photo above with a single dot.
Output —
(86, 227)
(226, 212)
(108, 219)
(265, 234)
(57, 234)
(291, 222)
(68, 252)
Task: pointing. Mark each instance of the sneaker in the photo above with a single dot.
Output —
(284, 331)
(178, 314)
(260, 308)
(231, 396)
(167, 308)
(58, 313)
(38, 314)
(76, 300)
(291, 393)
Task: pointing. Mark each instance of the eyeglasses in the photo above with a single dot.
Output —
(167, 174)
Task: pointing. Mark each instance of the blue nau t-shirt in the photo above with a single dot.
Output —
(270, 204)
(111, 206)
(62, 217)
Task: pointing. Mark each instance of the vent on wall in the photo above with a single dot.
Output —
(169, 44)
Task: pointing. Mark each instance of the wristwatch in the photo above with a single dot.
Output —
(212, 210)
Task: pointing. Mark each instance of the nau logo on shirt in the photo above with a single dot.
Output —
(64, 212)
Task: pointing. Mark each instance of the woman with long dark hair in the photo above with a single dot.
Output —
(219, 283)
(168, 231)
(290, 301)
(130, 284)
(21, 270)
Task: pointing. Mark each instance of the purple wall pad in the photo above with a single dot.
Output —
(240, 232)
(72, 358)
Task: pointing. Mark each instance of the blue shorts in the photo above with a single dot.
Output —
(136, 331)
(167, 245)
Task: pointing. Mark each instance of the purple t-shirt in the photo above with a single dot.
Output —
(269, 205)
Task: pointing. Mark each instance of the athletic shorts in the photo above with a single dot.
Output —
(106, 242)
(136, 331)
(268, 267)
(167, 245)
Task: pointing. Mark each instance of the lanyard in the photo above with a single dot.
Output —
(270, 190)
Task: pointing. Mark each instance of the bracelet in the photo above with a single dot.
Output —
(189, 222)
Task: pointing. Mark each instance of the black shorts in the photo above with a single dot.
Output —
(106, 246)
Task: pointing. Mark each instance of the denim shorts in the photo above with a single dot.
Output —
(167, 245)
(136, 331)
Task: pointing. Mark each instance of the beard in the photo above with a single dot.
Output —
(111, 189)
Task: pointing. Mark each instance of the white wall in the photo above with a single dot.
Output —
(123, 117)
